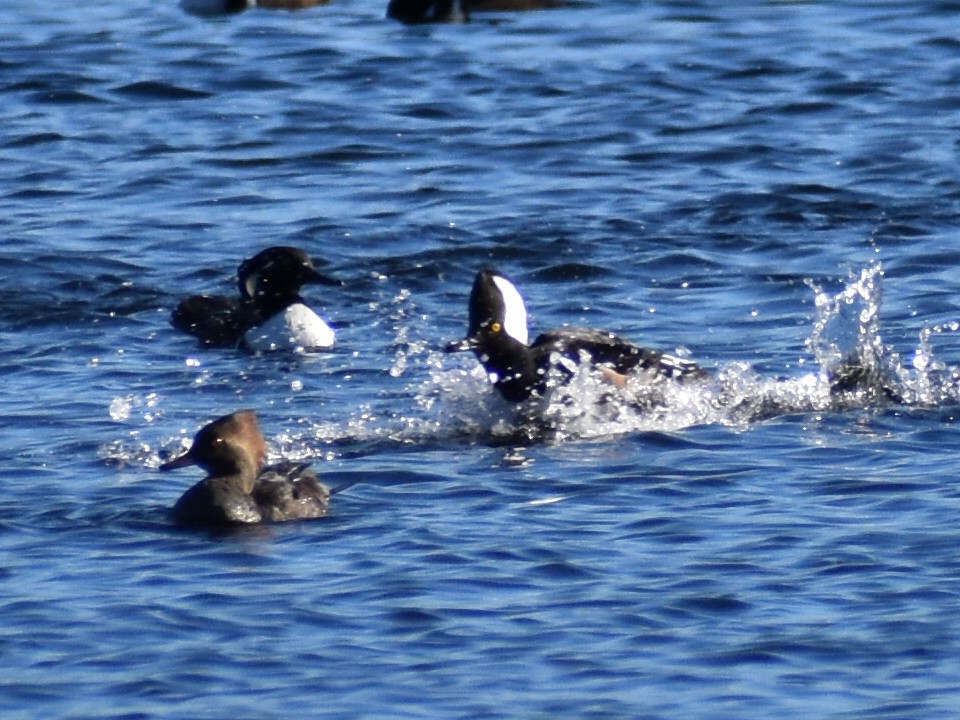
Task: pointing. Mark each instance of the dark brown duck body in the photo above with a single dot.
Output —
(209, 7)
(426, 11)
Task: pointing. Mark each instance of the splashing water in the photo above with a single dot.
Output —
(933, 382)
(846, 335)
(852, 368)
(847, 324)
(448, 398)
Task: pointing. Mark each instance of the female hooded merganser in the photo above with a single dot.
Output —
(269, 314)
(425, 11)
(497, 334)
(238, 489)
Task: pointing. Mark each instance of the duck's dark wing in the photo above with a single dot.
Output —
(290, 491)
(215, 320)
(606, 348)
(425, 11)
(500, 5)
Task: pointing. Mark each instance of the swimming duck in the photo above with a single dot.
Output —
(270, 314)
(497, 334)
(425, 11)
(216, 7)
(238, 489)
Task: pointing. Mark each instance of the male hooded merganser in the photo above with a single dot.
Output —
(269, 314)
(238, 488)
(497, 334)
(425, 11)
(215, 7)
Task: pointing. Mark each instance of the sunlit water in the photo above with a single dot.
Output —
(769, 189)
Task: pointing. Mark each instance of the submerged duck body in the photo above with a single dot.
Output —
(269, 314)
(238, 489)
(426, 11)
(498, 336)
(217, 7)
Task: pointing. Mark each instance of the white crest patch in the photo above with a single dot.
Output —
(514, 311)
(296, 328)
(250, 283)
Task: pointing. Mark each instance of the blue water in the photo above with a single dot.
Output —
(764, 187)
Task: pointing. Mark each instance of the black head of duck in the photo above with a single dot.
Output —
(269, 313)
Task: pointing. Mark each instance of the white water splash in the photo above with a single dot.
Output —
(439, 398)
(851, 368)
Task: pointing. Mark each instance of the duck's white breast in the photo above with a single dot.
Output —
(296, 328)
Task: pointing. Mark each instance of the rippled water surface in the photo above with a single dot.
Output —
(767, 188)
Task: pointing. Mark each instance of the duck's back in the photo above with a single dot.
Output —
(501, 5)
(606, 348)
(215, 320)
(290, 491)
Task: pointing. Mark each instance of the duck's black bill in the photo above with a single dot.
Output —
(179, 462)
(460, 345)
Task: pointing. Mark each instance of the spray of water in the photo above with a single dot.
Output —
(438, 399)
(849, 368)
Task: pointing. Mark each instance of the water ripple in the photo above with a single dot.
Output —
(767, 188)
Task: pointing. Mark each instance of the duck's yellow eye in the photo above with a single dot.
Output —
(495, 327)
